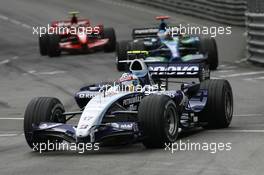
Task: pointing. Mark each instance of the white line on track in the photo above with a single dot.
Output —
(252, 79)
(44, 73)
(248, 115)
(50, 73)
(8, 135)
(215, 78)
(230, 67)
(14, 57)
(242, 74)
(14, 21)
(26, 26)
(12, 118)
(242, 60)
(225, 71)
(3, 17)
(222, 65)
(4, 61)
(237, 131)
(8, 60)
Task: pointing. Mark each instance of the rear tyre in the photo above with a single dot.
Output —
(109, 33)
(43, 44)
(54, 45)
(218, 111)
(121, 54)
(42, 109)
(208, 46)
(159, 121)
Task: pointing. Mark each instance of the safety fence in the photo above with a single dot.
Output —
(223, 11)
(255, 37)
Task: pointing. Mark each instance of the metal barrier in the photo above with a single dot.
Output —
(223, 11)
(256, 6)
(255, 37)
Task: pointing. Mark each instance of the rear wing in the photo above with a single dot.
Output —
(150, 31)
(161, 69)
(175, 70)
(145, 32)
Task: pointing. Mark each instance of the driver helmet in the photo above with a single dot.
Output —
(163, 25)
(129, 80)
(164, 35)
(74, 19)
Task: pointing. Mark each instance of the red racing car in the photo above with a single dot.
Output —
(76, 36)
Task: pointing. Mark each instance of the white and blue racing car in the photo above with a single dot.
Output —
(115, 113)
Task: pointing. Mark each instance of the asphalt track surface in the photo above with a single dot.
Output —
(24, 74)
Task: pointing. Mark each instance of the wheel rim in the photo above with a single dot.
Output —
(57, 116)
(228, 106)
(171, 121)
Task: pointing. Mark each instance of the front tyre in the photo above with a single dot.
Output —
(218, 111)
(159, 120)
(54, 46)
(109, 33)
(41, 109)
(43, 44)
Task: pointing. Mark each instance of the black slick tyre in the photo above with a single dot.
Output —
(41, 109)
(159, 121)
(43, 44)
(109, 33)
(54, 46)
(208, 46)
(218, 111)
